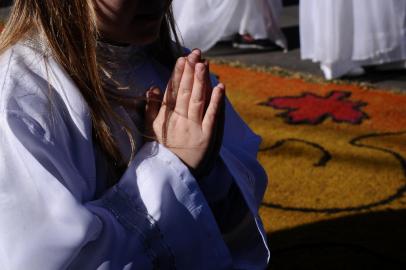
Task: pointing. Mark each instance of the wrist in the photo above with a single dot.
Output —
(205, 168)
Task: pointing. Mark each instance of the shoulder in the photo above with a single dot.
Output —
(21, 74)
(34, 87)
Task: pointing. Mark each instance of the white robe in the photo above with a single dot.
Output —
(202, 23)
(55, 212)
(346, 34)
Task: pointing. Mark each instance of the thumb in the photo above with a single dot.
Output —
(153, 105)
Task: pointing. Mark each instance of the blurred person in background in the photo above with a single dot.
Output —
(250, 24)
(346, 35)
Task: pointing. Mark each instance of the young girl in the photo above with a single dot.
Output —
(97, 169)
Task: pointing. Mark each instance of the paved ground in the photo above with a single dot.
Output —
(291, 60)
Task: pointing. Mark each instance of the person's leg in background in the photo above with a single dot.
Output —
(258, 25)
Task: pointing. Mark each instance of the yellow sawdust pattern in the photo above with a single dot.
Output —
(354, 176)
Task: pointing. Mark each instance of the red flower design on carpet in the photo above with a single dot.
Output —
(313, 109)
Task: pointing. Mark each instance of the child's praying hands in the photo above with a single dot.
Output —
(190, 119)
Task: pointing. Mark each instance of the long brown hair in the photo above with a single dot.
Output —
(71, 31)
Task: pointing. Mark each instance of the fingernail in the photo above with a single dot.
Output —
(148, 93)
(197, 51)
(193, 58)
(181, 61)
(153, 92)
(221, 86)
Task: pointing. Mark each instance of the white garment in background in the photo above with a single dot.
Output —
(202, 23)
(56, 212)
(346, 34)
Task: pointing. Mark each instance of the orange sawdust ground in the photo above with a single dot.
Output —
(351, 210)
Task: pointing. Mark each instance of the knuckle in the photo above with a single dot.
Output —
(197, 101)
(185, 91)
(212, 116)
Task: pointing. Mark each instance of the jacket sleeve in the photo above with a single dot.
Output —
(235, 189)
(51, 219)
